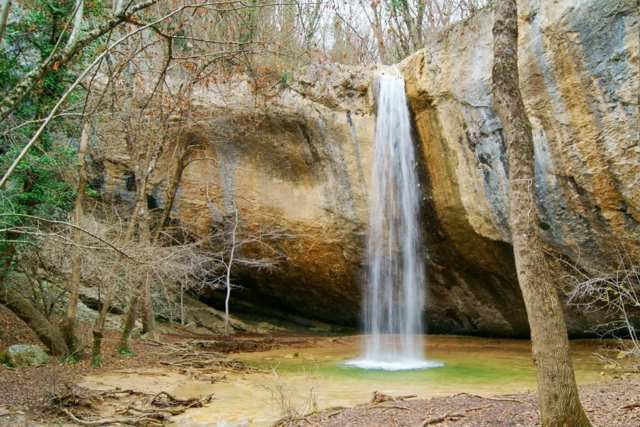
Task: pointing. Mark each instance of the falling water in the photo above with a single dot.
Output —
(394, 296)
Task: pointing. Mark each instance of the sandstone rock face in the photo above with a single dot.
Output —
(295, 160)
(298, 159)
(580, 80)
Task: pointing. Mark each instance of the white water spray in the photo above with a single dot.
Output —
(394, 297)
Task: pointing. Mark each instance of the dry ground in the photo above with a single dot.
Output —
(610, 404)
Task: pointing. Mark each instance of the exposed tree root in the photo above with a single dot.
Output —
(127, 407)
(143, 420)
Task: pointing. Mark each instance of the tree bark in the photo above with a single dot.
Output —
(557, 390)
(377, 31)
(46, 331)
(98, 328)
(5, 6)
(129, 322)
(172, 188)
(69, 323)
(148, 314)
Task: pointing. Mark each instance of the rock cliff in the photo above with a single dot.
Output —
(579, 77)
(297, 157)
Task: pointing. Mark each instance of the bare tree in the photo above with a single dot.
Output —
(401, 27)
(69, 322)
(557, 390)
(228, 264)
(615, 293)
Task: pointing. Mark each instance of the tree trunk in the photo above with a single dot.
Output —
(69, 322)
(129, 322)
(5, 6)
(46, 331)
(172, 188)
(379, 35)
(148, 314)
(98, 328)
(557, 391)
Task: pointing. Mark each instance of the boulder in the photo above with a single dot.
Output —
(21, 355)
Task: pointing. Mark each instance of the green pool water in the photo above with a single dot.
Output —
(470, 364)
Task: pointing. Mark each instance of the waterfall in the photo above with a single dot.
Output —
(394, 294)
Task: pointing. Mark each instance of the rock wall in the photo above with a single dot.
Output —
(298, 159)
(580, 80)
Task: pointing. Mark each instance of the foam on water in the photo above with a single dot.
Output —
(398, 365)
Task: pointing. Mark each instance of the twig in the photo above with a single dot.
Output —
(76, 227)
(387, 407)
(438, 420)
(495, 399)
(445, 417)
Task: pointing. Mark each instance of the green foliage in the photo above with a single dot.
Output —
(41, 185)
(4, 360)
(90, 192)
(285, 78)
(249, 21)
(96, 361)
(69, 359)
(125, 351)
(397, 4)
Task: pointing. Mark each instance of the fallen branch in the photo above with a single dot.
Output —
(388, 407)
(441, 419)
(447, 416)
(381, 398)
(631, 406)
(336, 411)
(495, 399)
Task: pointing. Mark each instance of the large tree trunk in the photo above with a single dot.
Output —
(129, 322)
(98, 327)
(69, 322)
(47, 332)
(172, 188)
(557, 391)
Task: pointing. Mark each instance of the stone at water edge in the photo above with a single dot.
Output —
(20, 355)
